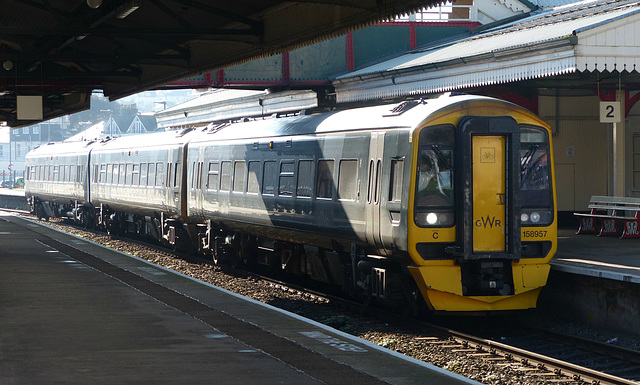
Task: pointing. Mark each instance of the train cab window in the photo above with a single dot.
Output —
(287, 182)
(434, 196)
(270, 177)
(325, 179)
(159, 173)
(305, 179)
(253, 182)
(536, 194)
(225, 178)
(396, 179)
(212, 176)
(239, 176)
(348, 180)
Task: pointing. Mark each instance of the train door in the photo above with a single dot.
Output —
(490, 177)
(376, 150)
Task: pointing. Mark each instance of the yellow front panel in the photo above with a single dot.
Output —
(488, 193)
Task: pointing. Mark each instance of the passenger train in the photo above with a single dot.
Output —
(448, 200)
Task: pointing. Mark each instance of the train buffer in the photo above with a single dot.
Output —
(611, 216)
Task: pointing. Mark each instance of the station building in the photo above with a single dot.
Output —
(563, 60)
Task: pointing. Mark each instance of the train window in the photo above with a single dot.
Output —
(348, 180)
(128, 174)
(396, 180)
(270, 175)
(212, 177)
(305, 178)
(287, 181)
(159, 173)
(434, 180)
(135, 175)
(102, 177)
(225, 178)
(378, 180)
(123, 174)
(239, 176)
(193, 176)
(535, 180)
(151, 174)
(200, 167)
(143, 174)
(325, 179)
(370, 184)
(169, 171)
(177, 175)
(79, 174)
(56, 173)
(253, 183)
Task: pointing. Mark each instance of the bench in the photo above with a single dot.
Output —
(611, 216)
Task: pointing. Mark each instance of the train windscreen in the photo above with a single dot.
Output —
(535, 177)
(434, 180)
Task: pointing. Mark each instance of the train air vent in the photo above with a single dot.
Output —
(404, 107)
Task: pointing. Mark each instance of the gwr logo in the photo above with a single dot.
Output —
(488, 221)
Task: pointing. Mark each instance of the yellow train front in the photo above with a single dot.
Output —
(482, 224)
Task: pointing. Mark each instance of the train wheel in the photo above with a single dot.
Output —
(41, 213)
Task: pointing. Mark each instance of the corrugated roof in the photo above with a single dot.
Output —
(506, 53)
(553, 3)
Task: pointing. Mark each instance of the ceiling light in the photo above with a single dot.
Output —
(127, 9)
(94, 3)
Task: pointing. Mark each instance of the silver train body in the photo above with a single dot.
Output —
(335, 197)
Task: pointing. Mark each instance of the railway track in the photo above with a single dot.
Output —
(550, 359)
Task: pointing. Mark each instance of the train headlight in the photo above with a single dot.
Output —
(536, 217)
(434, 219)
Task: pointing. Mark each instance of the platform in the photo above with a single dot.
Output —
(75, 312)
(597, 256)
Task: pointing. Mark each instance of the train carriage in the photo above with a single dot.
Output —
(442, 189)
(136, 183)
(56, 179)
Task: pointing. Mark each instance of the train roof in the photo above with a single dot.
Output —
(61, 148)
(406, 115)
(155, 139)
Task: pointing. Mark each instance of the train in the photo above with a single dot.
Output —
(447, 202)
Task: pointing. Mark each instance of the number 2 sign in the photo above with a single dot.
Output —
(610, 112)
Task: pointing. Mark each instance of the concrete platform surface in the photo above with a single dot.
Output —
(597, 256)
(73, 312)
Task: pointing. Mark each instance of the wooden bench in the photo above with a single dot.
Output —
(611, 216)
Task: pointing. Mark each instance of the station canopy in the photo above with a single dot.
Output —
(54, 53)
(587, 44)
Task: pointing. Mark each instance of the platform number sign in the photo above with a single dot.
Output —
(610, 112)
